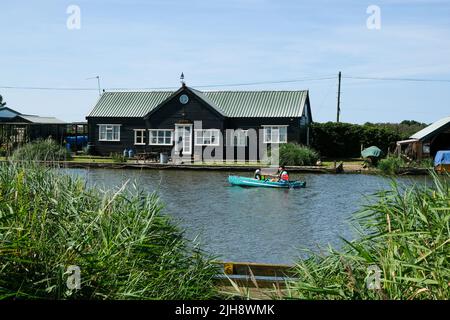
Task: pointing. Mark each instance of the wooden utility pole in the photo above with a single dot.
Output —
(338, 108)
(339, 97)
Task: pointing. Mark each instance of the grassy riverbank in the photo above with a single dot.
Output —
(123, 245)
(296, 157)
(405, 238)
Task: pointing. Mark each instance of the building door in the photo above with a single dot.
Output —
(183, 138)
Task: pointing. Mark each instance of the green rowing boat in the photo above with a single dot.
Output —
(251, 182)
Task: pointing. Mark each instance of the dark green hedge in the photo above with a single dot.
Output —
(292, 154)
(341, 140)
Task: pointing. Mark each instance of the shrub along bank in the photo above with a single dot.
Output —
(41, 150)
(292, 154)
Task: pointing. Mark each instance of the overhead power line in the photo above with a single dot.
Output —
(396, 79)
(47, 88)
(168, 88)
(79, 89)
(266, 82)
(320, 78)
(140, 89)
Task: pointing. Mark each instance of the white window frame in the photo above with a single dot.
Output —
(151, 131)
(142, 131)
(274, 128)
(215, 144)
(237, 134)
(108, 127)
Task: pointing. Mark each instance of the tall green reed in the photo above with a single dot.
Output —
(404, 234)
(122, 243)
(41, 150)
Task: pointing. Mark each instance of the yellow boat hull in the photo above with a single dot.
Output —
(441, 168)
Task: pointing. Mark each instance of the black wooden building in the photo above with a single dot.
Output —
(17, 128)
(187, 121)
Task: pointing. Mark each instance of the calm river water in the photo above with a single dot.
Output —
(253, 224)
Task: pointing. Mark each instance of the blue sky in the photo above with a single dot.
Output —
(146, 44)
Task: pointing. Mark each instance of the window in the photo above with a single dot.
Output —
(275, 134)
(207, 137)
(109, 132)
(19, 137)
(161, 137)
(239, 138)
(139, 136)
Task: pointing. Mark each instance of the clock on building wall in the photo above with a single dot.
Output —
(184, 99)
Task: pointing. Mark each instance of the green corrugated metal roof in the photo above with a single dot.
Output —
(425, 132)
(232, 104)
(248, 104)
(205, 98)
(128, 104)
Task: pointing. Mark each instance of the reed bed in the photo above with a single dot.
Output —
(404, 238)
(41, 150)
(122, 243)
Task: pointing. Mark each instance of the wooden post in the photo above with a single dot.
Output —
(338, 111)
(76, 138)
(419, 150)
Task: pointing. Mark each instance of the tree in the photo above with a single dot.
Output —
(2, 104)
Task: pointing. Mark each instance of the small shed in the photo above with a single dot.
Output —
(427, 142)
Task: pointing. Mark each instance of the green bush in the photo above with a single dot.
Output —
(125, 248)
(3, 150)
(390, 165)
(404, 129)
(405, 235)
(424, 163)
(118, 158)
(292, 154)
(41, 150)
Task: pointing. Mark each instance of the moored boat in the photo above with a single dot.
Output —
(442, 161)
(251, 182)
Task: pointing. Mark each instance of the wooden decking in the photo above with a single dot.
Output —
(254, 280)
(142, 165)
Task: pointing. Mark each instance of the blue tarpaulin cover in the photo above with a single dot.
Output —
(79, 139)
(442, 157)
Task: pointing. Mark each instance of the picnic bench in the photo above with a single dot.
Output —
(147, 156)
